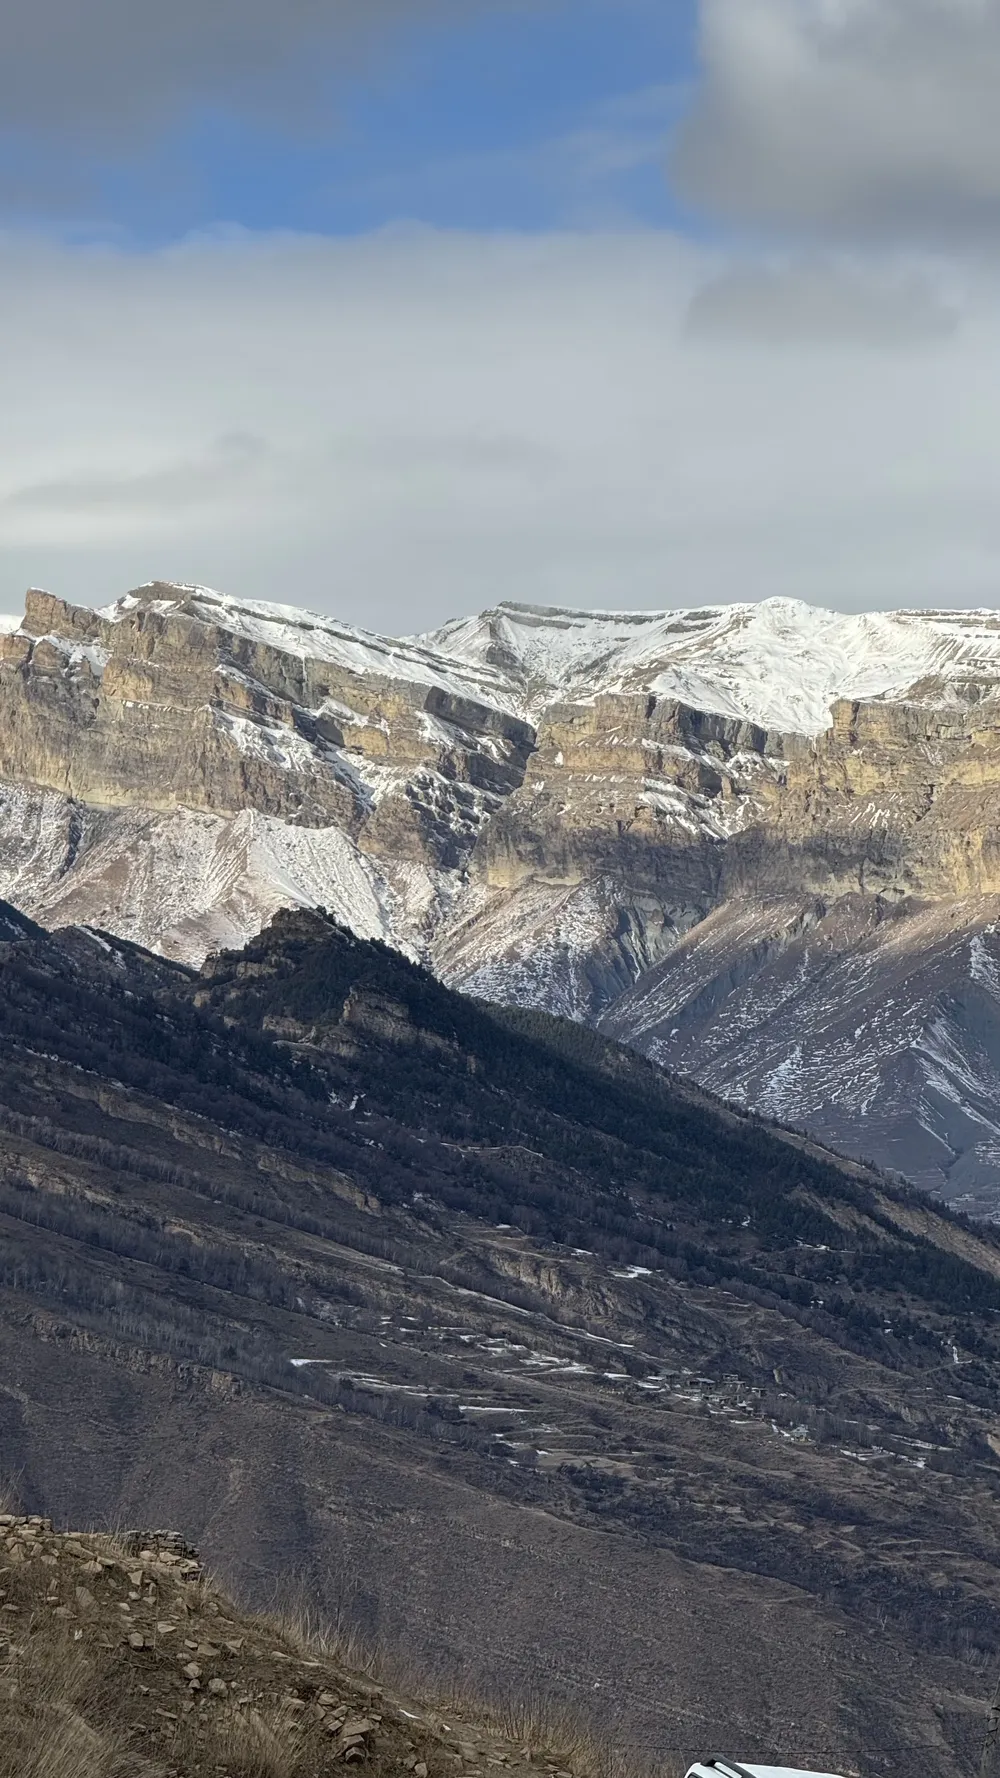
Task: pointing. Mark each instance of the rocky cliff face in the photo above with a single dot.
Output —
(175, 768)
(761, 842)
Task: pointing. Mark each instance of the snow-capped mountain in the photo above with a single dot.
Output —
(762, 842)
(781, 664)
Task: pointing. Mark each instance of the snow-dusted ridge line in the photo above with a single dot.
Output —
(780, 664)
(308, 634)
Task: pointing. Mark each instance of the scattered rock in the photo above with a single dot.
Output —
(327, 1728)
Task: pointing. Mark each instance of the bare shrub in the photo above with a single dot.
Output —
(10, 1494)
(326, 1639)
(250, 1744)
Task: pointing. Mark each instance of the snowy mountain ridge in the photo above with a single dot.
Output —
(780, 664)
(756, 841)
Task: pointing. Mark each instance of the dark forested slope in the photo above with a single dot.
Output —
(485, 1332)
(546, 1125)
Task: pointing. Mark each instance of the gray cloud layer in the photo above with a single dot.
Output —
(404, 427)
(98, 69)
(820, 302)
(848, 116)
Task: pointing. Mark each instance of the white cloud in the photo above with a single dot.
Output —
(856, 116)
(407, 426)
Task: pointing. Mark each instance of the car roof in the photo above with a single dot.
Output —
(719, 1768)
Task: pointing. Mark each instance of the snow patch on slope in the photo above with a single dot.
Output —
(272, 743)
(982, 967)
(779, 1094)
(184, 883)
(533, 951)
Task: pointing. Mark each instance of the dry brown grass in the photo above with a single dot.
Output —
(557, 1731)
(250, 1744)
(47, 1696)
(54, 1723)
(327, 1639)
(554, 1729)
(66, 1749)
(10, 1494)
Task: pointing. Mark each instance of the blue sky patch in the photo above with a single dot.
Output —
(541, 116)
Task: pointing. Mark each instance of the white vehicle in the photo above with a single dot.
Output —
(731, 1768)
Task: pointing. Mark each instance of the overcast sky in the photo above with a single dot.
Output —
(398, 309)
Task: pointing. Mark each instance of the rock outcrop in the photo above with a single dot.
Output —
(119, 1656)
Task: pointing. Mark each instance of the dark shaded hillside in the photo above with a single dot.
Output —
(611, 1150)
(489, 1335)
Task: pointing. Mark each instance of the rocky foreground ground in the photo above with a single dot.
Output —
(119, 1658)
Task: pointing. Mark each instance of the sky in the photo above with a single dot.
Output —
(398, 308)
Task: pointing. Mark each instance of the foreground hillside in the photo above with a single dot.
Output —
(479, 1332)
(756, 841)
(120, 1658)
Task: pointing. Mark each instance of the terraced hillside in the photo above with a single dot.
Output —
(481, 1332)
